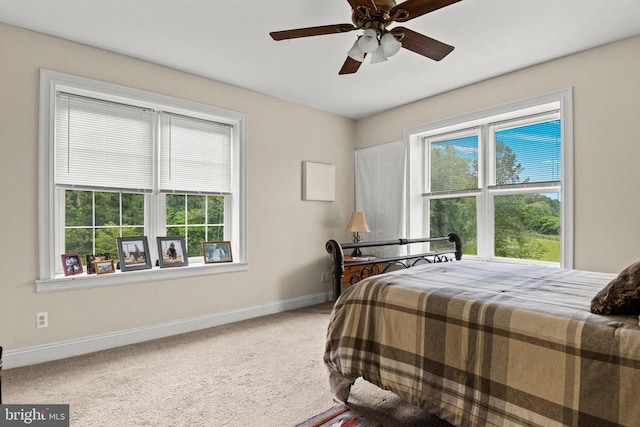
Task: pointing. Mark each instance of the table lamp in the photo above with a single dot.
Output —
(357, 224)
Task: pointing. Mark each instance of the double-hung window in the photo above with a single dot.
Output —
(117, 162)
(501, 179)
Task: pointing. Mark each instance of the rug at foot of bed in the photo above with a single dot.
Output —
(339, 416)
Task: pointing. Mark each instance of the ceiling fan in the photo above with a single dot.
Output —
(374, 16)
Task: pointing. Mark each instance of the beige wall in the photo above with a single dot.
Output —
(286, 234)
(606, 95)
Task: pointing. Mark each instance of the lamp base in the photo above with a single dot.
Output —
(356, 253)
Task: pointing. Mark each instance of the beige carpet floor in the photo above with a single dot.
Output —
(266, 371)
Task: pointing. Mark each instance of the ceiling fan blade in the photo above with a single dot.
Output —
(355, 4)
(350, 66)
(415, 8)
(312, 31)
(423, 45)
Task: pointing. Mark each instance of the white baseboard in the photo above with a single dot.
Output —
(63, 349)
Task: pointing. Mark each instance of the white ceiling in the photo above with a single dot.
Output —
(228, 40)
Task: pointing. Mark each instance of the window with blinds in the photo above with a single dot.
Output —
(498, 183)
(104, 155)
(453, 183)
(119, 162)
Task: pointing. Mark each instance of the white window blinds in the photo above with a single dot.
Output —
(195, 155)
(454, 164)
(528, 154)
(101, 144)
(106, 145)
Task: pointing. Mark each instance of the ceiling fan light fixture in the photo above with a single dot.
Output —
(372, 18)
(378, 55)
(369, 41)
(355, 52)
(390, 45)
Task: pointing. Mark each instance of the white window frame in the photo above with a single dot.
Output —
(51, 207)
(417, 207)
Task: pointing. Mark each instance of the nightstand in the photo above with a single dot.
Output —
(359, 272)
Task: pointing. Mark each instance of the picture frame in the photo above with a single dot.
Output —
(216, 252)
(104, 266)
(71, 264)
(133, 253)
(172, 252)
(95, 257)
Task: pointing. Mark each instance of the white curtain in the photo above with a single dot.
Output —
(380, 191)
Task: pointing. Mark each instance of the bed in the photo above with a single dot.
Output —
(485, 343)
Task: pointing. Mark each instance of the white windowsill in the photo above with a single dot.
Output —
(85, 281)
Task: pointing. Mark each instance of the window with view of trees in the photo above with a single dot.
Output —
(527, 224)
(126, 163)
(453, 173)
(498, 184)
(94, 219)
(196, 218)
(194, 157)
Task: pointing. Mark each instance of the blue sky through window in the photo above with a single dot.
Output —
(537, 148)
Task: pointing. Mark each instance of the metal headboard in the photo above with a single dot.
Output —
(381, 265)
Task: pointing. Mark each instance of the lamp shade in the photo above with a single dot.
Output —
(378, 56)
(357, 223)
(369, 41)
(356, 53)
(390, 45)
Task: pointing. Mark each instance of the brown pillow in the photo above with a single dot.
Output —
(621, 295)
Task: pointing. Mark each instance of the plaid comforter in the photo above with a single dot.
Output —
(480, 343)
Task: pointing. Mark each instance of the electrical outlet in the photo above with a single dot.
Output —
(42, 320)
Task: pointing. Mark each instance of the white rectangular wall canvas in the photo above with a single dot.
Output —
(318, 182)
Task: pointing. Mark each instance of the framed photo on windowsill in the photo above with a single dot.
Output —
(104, 266)
(90, 259)
(172, 252)
(215, 252)
(71, 264)
(134, 253)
